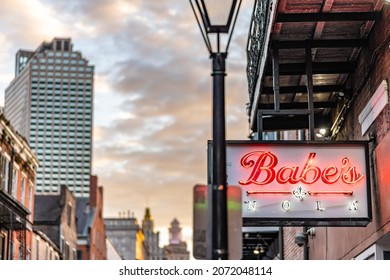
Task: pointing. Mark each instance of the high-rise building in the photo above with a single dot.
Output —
(50, 103)
(152, 238)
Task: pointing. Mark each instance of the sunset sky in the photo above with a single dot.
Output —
(153, 98)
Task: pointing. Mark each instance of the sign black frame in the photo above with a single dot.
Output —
(297, 222)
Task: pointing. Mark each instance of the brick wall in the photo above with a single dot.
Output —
(291, 250)
(98, 231)
(373, 67)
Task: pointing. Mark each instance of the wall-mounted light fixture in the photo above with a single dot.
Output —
(258, 250)
(340, 94)
(321, 133)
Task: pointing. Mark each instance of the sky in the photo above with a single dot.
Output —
(152, 93)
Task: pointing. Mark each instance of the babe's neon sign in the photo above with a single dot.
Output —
(265, 171)
(290, 183)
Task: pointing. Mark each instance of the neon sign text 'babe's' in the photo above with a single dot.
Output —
(264, 171)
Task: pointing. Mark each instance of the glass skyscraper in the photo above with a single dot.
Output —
(50, 103)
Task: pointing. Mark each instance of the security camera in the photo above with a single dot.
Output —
(301, 239)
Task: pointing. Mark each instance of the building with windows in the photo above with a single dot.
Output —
(152, 238)
(18, 165)
(111, 252)
(91, 234)
(50, 103)
(127, 237)
(43, 248)
(55, 216)
(177, 248)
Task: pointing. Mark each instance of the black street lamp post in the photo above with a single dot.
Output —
(218, 17)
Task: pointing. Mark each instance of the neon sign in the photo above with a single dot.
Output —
(295, 183)
(261, 162)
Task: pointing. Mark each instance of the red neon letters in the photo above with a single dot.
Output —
(264, 171)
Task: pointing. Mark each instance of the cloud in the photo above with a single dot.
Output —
(22, 20)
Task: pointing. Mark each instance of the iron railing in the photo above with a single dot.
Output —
(256, 40)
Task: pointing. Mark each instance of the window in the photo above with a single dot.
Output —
(37, 247)
(14, 182)
(23, 190)
(47, 252)
(66, 45)
(5, 162)
(30, 197)
(69, 213)
(58, 45)
(2, 246)
(79, 255)
(67, 251)
(63, 247)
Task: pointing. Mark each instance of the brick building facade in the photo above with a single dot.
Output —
(55, 216)
(43, 248)
(18, 166)
(91, 235)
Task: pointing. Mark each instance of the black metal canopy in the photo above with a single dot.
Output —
(302, 57)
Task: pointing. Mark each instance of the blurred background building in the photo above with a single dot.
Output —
(152, 238)
(91, 233)
(126, 236)
(177, 248)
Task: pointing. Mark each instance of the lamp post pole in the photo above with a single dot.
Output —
(217, 17)
(219, 228)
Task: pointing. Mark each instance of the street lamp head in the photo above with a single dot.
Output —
(217, 14)
(216, 17)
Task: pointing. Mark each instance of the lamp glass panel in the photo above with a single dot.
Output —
(218, 11)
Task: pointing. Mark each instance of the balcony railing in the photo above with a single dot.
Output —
(256, 42)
